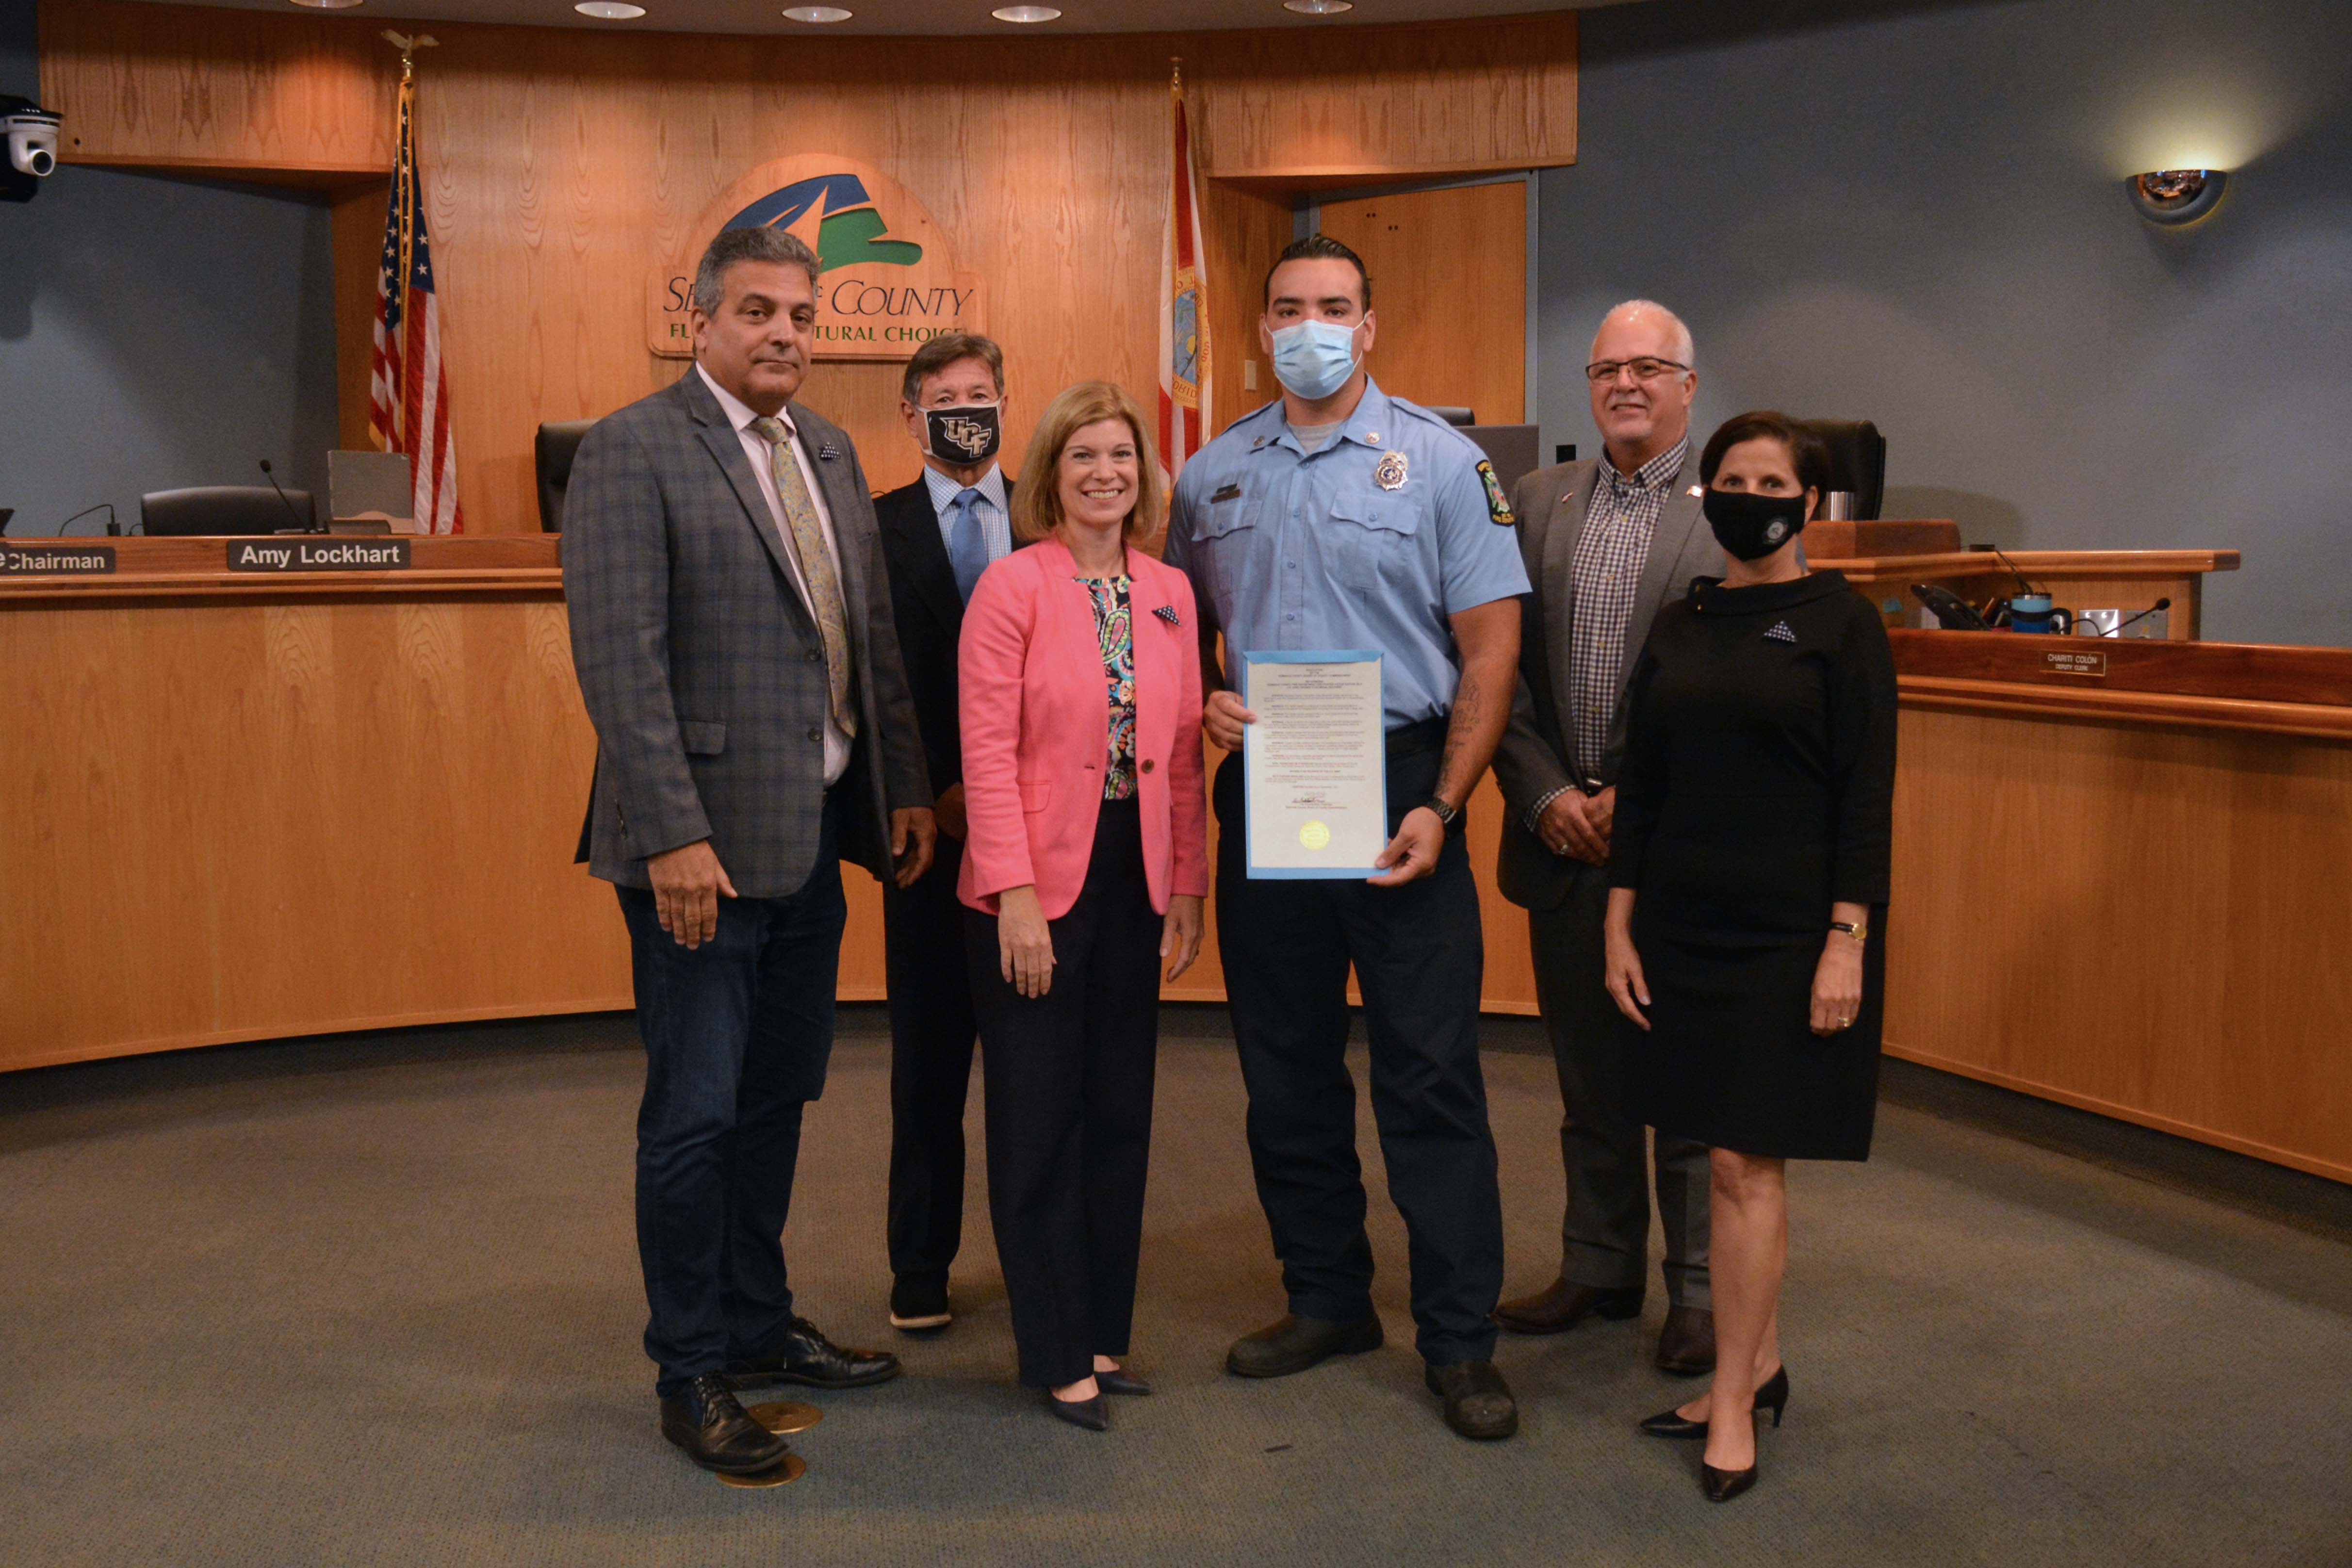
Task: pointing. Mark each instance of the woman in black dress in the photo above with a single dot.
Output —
(1747, 892)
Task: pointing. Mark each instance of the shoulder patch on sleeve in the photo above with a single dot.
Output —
(1499, 507)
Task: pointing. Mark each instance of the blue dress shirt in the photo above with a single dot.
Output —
(1370, 542)
(995, 513)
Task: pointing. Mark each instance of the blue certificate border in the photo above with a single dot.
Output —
(1256, 873)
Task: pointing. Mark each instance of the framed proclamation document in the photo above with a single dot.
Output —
(1315, 765)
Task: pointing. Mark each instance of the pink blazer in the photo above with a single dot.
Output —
(1036, 731)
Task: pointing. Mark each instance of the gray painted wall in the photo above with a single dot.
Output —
(155, 332)
(1914, 214)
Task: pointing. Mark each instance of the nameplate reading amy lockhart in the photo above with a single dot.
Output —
(57, 560)
(318, 554)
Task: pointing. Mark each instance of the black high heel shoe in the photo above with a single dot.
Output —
(1093, 1415)
(1722, 1486)
(1119, 1380)
(1771, 1395)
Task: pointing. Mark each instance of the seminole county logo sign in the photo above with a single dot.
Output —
(886, 281)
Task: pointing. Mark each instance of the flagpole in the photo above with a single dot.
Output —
(403, 168)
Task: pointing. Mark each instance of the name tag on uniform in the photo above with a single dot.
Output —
(1227, 493)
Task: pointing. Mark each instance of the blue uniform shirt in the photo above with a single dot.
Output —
(1370, 543)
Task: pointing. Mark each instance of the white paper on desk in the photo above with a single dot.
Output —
(1314, 764)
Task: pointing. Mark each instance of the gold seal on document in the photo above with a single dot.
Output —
(1390, 474)
(1313, 834)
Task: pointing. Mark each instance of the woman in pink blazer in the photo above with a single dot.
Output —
(1086, 865)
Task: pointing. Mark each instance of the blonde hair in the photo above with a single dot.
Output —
(1037, 500)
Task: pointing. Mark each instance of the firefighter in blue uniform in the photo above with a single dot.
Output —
(1342, 518)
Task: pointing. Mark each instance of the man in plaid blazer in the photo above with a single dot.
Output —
(731, 628)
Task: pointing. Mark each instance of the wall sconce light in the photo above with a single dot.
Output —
(2176, 196)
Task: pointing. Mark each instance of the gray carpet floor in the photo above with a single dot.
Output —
(374, 1300)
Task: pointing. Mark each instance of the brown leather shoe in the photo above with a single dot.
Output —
(1686, 1344)
(1560, 1306)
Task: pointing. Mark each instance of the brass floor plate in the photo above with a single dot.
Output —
(783, 1475)
(785, 1416)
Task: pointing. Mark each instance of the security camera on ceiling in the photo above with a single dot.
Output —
(32, 133)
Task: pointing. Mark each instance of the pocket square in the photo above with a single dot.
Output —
(1168, 612)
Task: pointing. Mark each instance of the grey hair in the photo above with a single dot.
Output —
(1684, 350)
(730, 246)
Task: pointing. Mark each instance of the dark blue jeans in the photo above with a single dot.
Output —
(737, 1033)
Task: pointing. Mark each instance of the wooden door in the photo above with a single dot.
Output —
(1449, 275)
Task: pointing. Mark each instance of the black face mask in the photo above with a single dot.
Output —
(965, 436)
(1751, 526)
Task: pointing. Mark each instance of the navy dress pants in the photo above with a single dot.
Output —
(737, 1034)
(1419, 956)
(932, 1028)
(1069, 1077)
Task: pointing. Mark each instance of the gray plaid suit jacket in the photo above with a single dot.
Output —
(703, 672)
(1533, 757)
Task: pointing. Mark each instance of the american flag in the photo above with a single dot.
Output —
(408, 389)
(1183, 310)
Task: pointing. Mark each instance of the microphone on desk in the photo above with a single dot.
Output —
(302, 524)
(112, 527)
(2163, 603)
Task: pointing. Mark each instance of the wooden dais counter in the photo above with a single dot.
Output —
(2120, 875)
(240, 803)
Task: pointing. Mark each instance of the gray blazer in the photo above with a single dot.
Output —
(702, 670)
(1534, 757)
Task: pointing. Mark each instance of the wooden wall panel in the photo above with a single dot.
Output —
(356, 236)
(1353, 105)
(235, 91)
(1449, 275)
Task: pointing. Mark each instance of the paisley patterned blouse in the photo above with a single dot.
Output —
(1115, 630)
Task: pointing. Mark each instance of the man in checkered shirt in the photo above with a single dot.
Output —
(1606, 543)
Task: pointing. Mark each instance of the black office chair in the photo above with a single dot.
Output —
(1858, 461)
(557, 445)
(214, 510)
(1457, 417)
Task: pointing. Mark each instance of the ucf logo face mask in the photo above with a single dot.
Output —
(964, 436)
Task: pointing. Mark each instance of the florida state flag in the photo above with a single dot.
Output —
(1183, 307)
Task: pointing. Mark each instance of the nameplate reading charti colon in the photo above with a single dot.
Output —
(56, 561)
(2094, 665)
(318, 554)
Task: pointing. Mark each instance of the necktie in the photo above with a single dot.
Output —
(817, 569)
(967, 551)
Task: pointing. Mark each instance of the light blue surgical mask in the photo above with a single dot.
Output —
(1314, 359)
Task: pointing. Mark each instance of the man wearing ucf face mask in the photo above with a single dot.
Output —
(1342, 518)
(1606, 542)
(937, 536)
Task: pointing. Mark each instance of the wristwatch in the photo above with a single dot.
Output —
(1858, 930)
(1447, 814)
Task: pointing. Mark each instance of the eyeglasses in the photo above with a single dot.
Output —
(1601, 373)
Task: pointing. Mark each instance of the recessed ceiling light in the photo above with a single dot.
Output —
(328, 5)
(1024, 13)
(610, 10)
(817, 14)
(1318, 8)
